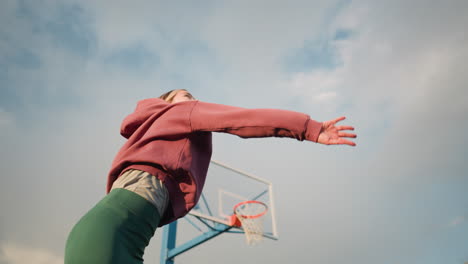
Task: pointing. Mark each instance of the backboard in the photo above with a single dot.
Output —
(225, 187)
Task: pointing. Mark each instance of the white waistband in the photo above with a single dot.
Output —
(145, 185)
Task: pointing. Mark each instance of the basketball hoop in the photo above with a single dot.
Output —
(250, 215)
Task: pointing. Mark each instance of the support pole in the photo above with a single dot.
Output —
(168, 249)
(168, 242)
(219, 229)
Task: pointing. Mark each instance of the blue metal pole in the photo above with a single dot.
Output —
(218, 229)
(168, 242)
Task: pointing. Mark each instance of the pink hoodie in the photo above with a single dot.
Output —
(173, 141)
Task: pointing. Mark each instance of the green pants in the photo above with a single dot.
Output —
(116, 230)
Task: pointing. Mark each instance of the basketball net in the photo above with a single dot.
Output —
(250, 216)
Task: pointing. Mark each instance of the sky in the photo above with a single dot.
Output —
(70, 71)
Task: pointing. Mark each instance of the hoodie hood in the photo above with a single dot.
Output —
(145, 109)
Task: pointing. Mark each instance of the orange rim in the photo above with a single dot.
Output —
(251, 216)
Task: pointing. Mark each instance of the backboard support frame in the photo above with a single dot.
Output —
(208, 215)
(216, 225)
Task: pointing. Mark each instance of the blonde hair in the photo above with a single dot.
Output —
(169, 96)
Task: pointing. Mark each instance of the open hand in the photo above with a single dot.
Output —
(333, 135)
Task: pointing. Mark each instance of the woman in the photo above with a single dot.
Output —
(159, 173)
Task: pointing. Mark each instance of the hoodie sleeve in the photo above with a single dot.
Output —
(252, 123)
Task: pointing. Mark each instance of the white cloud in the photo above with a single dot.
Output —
(392, 68)
(400, 81)
(458, 221)
(6, 118)
(19, 254)
(247, 36)
(325, 96)
(319, 86)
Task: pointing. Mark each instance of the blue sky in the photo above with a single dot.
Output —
(71, 70)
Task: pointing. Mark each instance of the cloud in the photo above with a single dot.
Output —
(390, 70)
(326, 96)
(43, 49)
(397, 74)
(19, 254)
(458, 221)
(6, 118)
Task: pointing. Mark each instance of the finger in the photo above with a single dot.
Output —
(349, 135)
(336, 120)
(346, 142)
(342, 141)
(344, 128)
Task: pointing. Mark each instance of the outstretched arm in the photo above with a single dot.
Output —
(249, 123)
(331, 134)
(253, 123)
